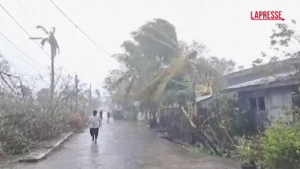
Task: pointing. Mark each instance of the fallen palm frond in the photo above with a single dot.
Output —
(156, 88)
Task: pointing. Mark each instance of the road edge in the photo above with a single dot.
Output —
(40, 156)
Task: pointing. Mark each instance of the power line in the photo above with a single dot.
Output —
(31, 7)
(18, 65)
(41, 7)
(80, 29)
(9, 75)
(28, 74)
(34, 12)
(28, 34)
(21, 52)
(19, 49)
(26, 13)
(23, 59)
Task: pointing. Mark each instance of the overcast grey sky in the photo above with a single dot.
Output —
(224, 26)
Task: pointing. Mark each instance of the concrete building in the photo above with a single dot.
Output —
(264, 91)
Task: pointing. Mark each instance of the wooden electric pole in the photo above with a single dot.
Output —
(90, 101)
(52, 78)
(76, 94)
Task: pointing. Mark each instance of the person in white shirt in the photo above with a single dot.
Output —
(95, 123)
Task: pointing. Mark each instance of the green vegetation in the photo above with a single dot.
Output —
(278, 145)
(29, 115)
(26, 114)
(161, 77)
(163, 74)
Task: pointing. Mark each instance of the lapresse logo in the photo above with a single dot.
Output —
(266, 15)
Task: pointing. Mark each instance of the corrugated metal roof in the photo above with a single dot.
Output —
(280, 62)
(259, 81)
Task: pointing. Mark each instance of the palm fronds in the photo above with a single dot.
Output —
(155, 89)
(154, 60)
(35, 38)
(50, 39)
(43, 41)
(143, 36)
(53, 30)
(43, 29)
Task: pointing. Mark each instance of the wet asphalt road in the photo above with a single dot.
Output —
(123, 145)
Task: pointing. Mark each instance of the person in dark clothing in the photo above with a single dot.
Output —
(108, 115)
(101, 114)
(94, 126)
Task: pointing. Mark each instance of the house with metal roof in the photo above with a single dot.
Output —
(264, 91)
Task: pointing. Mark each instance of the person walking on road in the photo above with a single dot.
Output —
(95, 123)
(108, 116)
(101, 115)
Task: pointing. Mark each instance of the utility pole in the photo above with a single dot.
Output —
(90, 105)
(76, 94)
(52, 77)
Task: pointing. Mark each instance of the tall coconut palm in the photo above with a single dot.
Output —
(54, 51)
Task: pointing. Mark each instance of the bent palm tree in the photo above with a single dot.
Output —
(166, 58)
(159, 39)
(134, 61)
(54, 50)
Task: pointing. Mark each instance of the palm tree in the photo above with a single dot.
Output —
(158, 41)
(155, 53)
(54, 50)
(156, 63)
(134, 62)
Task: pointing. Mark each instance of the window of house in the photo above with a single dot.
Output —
(257, 103)
(295, 94)
(261, 103)
(252, 104)
(296, 100)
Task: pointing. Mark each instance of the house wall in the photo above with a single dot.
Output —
(276, 99)
(258, 116)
